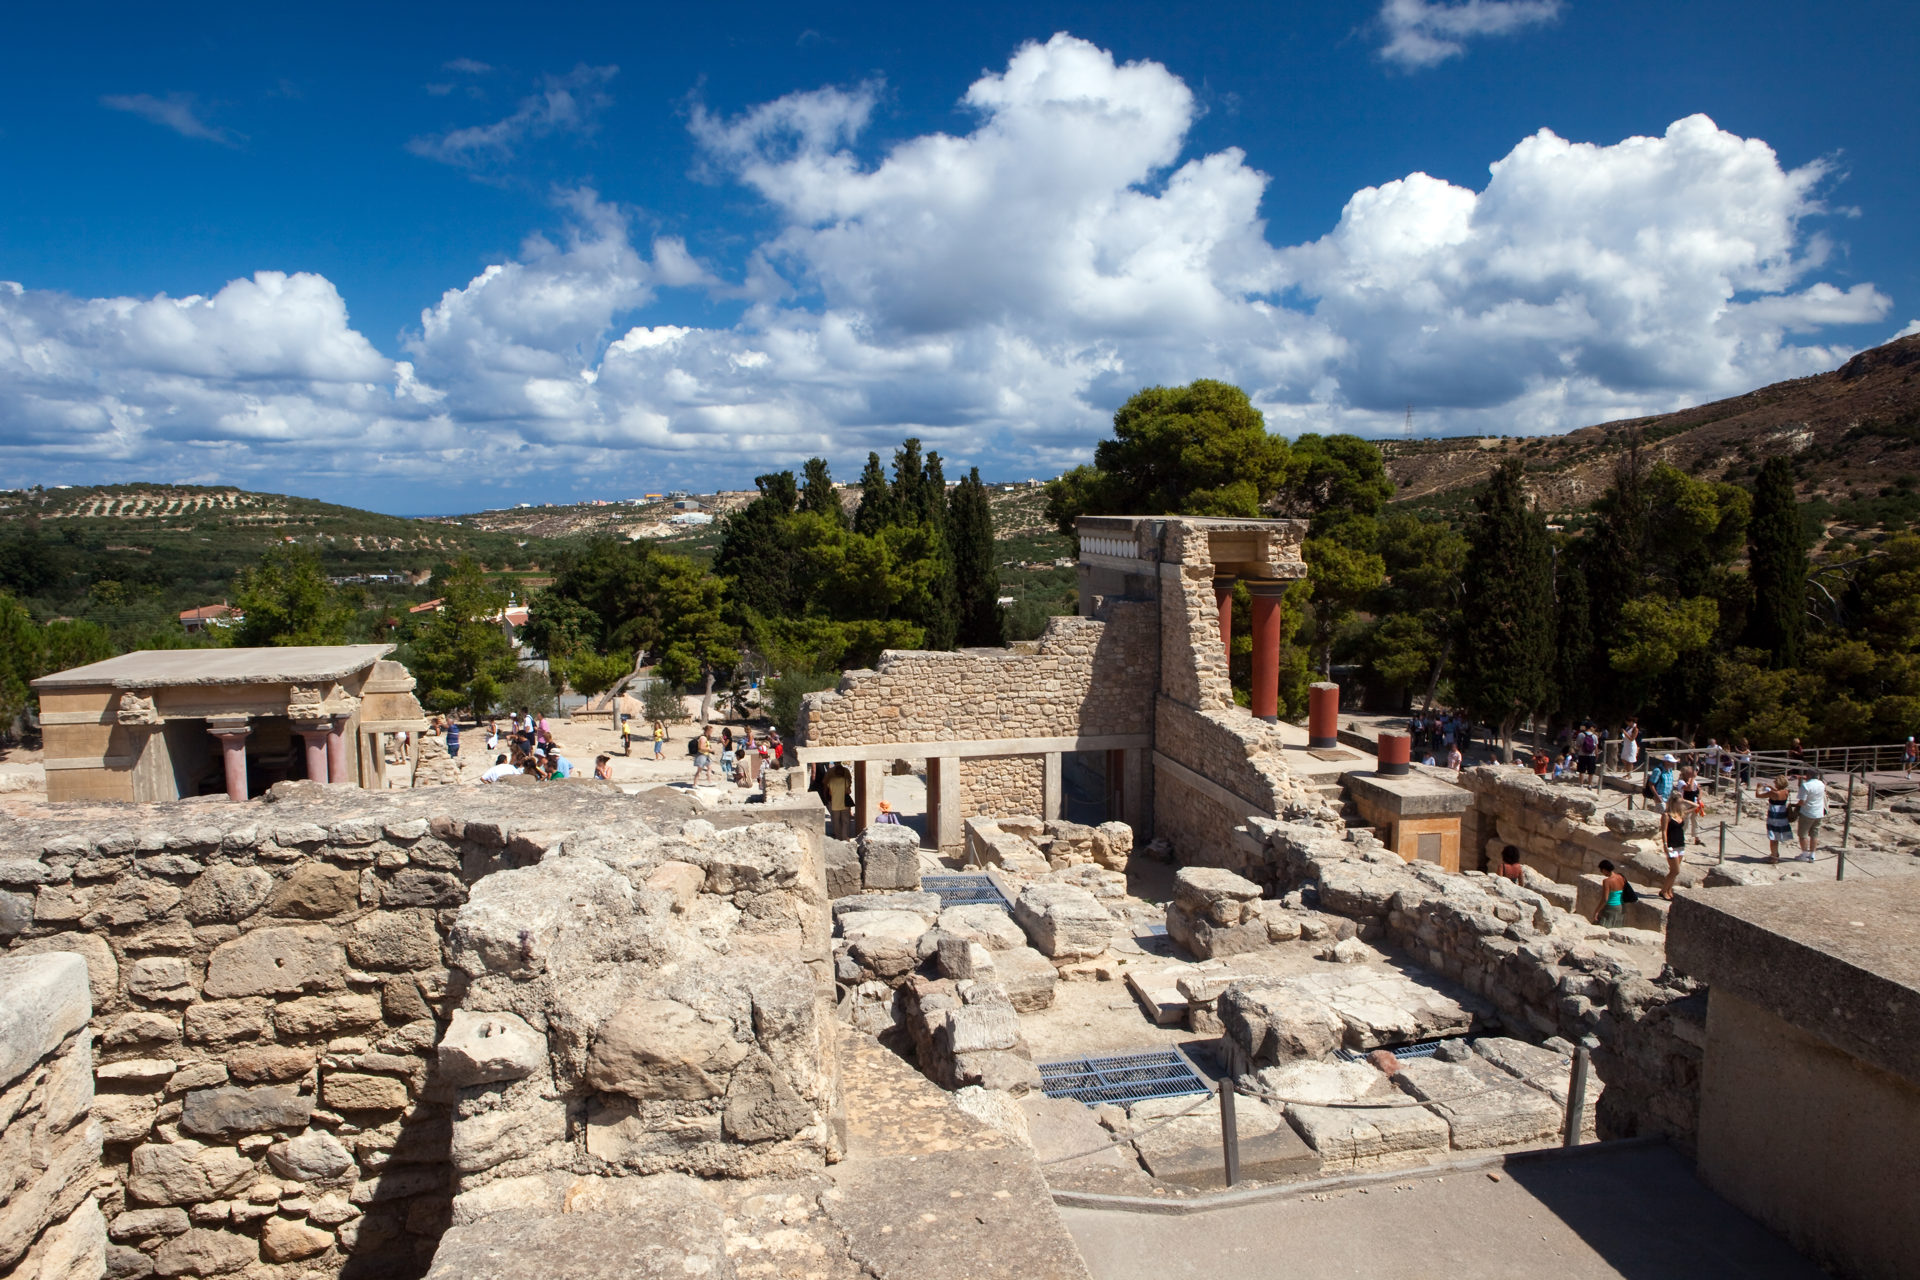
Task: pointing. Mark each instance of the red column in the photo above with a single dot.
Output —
(1266, 648)
(1323, 714)
(233, 750)
(316, 740)
(337, 751)
(1223, 603)
(1395, 753)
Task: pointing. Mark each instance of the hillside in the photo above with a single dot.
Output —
(1855, 433)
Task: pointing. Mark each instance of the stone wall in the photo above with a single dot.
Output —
(1002, 784)
(1084, 680)
(1543, 971)
(51, 1227)
(271, 982)
(1555, 827)
(1240, 757)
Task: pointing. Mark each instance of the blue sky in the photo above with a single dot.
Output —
(675, 247)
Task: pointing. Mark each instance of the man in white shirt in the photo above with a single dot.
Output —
(1813, 807)
(500, 770)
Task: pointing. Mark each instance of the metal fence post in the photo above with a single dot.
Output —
(1840, 866)
(1229, 1131)
(1576, 1097)
(1846, 823)
(1723, 843)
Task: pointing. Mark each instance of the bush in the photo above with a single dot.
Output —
(530, 689)
(661, 702)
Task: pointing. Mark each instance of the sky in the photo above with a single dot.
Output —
(428, 259)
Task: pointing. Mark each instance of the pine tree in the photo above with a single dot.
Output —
(976, 579)
(817, 495)
(876, 509)
(1777, 566)
(1507, 654)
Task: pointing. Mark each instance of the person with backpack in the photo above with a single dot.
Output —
(1586, 751)
(1614, 896)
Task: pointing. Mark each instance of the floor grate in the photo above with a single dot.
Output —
(1152, 931)
(1122, 1078)
(1424, 1049)
(956, 891)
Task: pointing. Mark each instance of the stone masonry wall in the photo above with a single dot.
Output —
(270, 983)
(1087, 679)
(51, 1227)
(1192, 660)
(1554, 827)
(1233, 750)
(1002, 784)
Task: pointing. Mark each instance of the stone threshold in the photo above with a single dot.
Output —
(1491, 1163)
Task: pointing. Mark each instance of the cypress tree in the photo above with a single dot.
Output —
(1777, 566)
(876, 509)
(756, 554)
(933, 492)
(1573, 674)
(976, 578)
(817, 495)
(909, 484)
(1506, 666)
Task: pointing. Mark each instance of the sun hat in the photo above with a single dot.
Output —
(1670, 758)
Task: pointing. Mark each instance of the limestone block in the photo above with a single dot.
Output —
(325, 1015)
(394, 940)
(143, 1027)
(136, 1225)
(1063, 921)
(162, 979)
(1119, 838)
(289, 1240)
(843, 868)
(73, 1249)
(47, 1000)
(484, 1048)
(128, 901)
(1205, 940)
(1483, 1107)
(887, 943)
(1027, 976)
(976, 1028)
(355, 1091)
(1349, 1141)
(16, 914)
(125, 1117)
(201, 1252)
(525, 1123)
(515, 917)
(1544, 1069)
(659, 1226)
(186, 1172)
(314, 1156)
(922, 904)
(762, 1104)
(889, 857)
(229, 1112)
(201, 1075)
(271, 1063)
(103, 970)
(1022, 824)
(1214, 893)
(277, 961)
(961, 959)
(988, 925)
(1634, 824)
(653, 1048)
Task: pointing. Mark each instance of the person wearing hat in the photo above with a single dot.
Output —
(1660, 777)
(887, 814)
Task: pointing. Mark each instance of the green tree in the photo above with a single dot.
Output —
(1343, 570)
(661, 702)
(756, 554)
(22, 658)
(1417, 609)
(817, 494)
(1573, 671)
(287, 600)
(1506, 663)
(460, 656)
(877, 507)
(976, 576)
(1201, 449)
(1777, 566)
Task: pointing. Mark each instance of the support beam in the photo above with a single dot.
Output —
(1139, 779)
(943, 803)
(315, 737)
(1050, 789)
(1266, 648)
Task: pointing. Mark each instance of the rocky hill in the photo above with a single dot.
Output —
(1855, 432)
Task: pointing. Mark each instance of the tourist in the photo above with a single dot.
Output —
(1542, 762)
(1586, 750)
(603, 767)
(1689, 793)
(839, 792)
(726, 755)
(887, 815)
(545, 732)
(1779, 825)
(702, 757)
(453, 737)
(1912, 755)
(1630, 745)
(1677, 813)
(1743, 762)
(558, 766)
(499, 770)
(1511, 867)
(1613, 897)
(1454, 760)
(659, 740)
(1813, 807)
(493, 735)
(1796, 753)
(1660, 776)
(626, 734)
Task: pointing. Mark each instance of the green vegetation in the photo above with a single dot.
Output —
(459, 656)
(1507, 607)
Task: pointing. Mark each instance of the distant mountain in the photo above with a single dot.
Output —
(1854, 432)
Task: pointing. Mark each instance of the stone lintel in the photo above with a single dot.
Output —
(969, 747)
(1409, 795)
(1836, 960)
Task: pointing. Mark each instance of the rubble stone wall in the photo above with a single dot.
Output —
(51, 1227)
(1002, 784)
(1546, 971)
(1555, 827)
(1237, 754)
(1192, 658)
(270, 984)
(1084, 680)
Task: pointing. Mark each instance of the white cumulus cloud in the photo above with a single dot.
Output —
(996, 290)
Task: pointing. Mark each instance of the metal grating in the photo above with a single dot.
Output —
(1152, 931)
(1122, 1078)
(958, 891)
(1424, 1049)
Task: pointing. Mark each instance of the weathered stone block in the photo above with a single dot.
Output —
(289, 1240)
(47, 1000)
(394, 940)
(256, 1063)
(353, 1091)
(325, 1015)
(1349, 1141)
(201, 1252)
(278, 961)
(186, 1172)
(990, 926)
(313, 1156)
(1027, 976)
(230, 1112)
(483, 1048)
(162, 979)
(655, 1048)
(843, 868)
(1063, 921)
(889, 857)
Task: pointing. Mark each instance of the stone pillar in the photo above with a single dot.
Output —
(233, 751)
(1223, 603)
(868, 779)
(1050, 788)
(943, 802)
(1266, 648)
(1395, 753)
(337, 770)
(1139, 777)
(315, 737)
(1323, 714)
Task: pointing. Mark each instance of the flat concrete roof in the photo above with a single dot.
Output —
(161, 668)
(1839, 960)
(1411, 795)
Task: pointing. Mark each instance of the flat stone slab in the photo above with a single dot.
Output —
(670, 1233)
(1188, 1150)
(1482, 1105)
(1349, 1141)
(1545, 1070)
(1280, 1020)
(1410, 795)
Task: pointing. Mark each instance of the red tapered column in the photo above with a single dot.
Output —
(337, 751)
(1223, 602)
(1266, 648)
(1395, 753)
(233, 751)
(1323, 714)
(316, 741)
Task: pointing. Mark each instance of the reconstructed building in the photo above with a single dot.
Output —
(161, 724)
(1124, 712)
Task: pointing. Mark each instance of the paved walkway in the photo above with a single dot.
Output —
(1636, 1213)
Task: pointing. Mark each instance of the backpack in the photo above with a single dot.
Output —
(1627, 893)
(693, 746)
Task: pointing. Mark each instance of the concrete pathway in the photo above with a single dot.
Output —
(1634, 1213)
